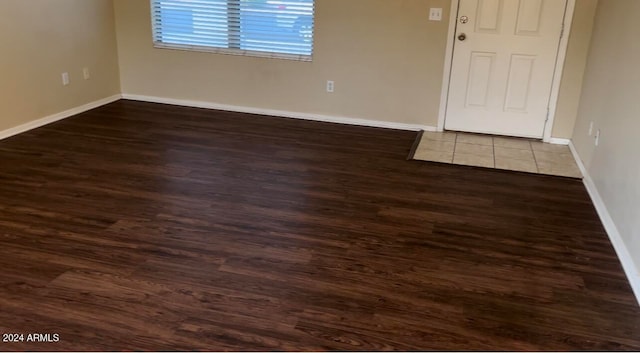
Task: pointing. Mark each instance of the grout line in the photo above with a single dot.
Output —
(455, 145)
(493, 144)
(534, 158)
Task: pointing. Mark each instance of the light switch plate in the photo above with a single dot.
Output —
(435, 14)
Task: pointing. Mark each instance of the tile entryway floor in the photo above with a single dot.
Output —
(518, 154)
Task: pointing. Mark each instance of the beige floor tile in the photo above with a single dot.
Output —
(567, 170)
(433, 156)
(475, 139)
(554, 157)
(510, 142)
(436, 145)
(519, 165)
(497, 152)
(468, 148)
(513, 153)
(439, 136)
(474, 160)
(548, 147)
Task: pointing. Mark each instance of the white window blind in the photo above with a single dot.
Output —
(271, 28)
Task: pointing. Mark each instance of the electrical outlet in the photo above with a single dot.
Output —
(597, 142)
(86, 73)
(330, 86)
(65, 78)
(591, 129)
(435, 14)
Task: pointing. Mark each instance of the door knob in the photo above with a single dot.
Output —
(462, 37)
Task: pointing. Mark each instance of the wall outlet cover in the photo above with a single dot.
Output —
(330, 86)
(435, 14)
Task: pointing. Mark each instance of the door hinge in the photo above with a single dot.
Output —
(547, 118)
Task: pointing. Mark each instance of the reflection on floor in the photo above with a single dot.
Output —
(524, 155)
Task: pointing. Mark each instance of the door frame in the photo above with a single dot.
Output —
(557, 75)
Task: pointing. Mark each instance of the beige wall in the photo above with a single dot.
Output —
(611, 100)
(384, 56)
(385, 59)
(40, 39)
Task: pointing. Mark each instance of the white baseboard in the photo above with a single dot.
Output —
(280, 113)
(56, 117)
(559, 141)
(576, 156)
(620, 247)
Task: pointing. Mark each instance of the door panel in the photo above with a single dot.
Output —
(502, 72)
(519, 83)
(488, 16)
(479, 79)
(529, 17)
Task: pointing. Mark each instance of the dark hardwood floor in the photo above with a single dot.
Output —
(141, 226)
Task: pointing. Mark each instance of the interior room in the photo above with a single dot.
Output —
(319, 175)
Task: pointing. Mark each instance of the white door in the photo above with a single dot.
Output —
(503, 66)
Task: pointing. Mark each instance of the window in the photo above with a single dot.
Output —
(271, 28)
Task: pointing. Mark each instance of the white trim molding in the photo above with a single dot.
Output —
(557, 76)
(280, 113)
(559, 141)
(628, 265)
(576, 156)
(448, 61)
(56, 117)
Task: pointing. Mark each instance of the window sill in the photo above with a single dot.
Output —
(259, 54)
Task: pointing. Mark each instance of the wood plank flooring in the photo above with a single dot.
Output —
(141, 226)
